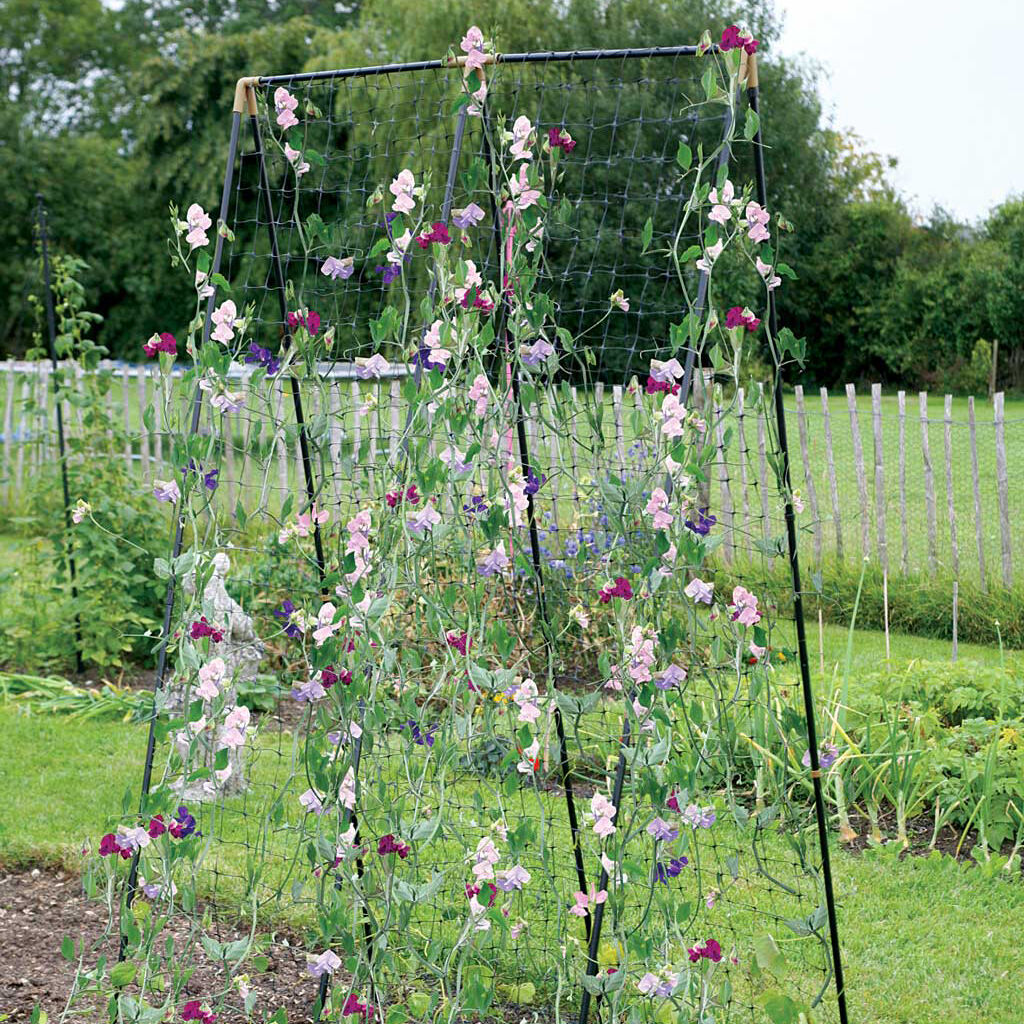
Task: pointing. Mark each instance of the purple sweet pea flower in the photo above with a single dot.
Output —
(494, 563)
(262, 357)
(703, 524)
(285, 613)
(468, 217)
(827, 756)
(661, 829)
(672, 677)
(335, 268)
(533, 484)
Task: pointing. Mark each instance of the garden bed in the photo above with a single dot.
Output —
(39, 906)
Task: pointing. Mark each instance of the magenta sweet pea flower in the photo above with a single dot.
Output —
(193, 1010)
(559, 138)
(162, 342)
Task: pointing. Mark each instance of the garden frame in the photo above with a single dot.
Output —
(245, 105)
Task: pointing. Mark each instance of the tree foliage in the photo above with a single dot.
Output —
(113, 114)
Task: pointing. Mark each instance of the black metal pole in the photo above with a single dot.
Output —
(51, 333)
(535, 556)
(286, 338)
(798, 604)
(179, 531)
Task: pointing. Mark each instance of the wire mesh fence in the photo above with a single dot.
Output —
(524, 751)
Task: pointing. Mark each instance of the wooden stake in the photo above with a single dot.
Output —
(885, 615)
(956, 609)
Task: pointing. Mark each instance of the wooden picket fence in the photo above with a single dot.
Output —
(879, 478)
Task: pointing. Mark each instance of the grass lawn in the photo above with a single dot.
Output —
(925, 939)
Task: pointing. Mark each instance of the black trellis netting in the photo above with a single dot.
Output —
(526, 745)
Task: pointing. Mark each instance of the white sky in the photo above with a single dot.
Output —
(936, 83)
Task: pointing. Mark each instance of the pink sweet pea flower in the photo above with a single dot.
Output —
(619, 301)
(210, 676)
(472, 40)
(373, 367)
(225, 316)
(522, 132)
(235, 725)
(284, 105)
(699, 592)
(312, 802)
(199, 223)
(347, 790)
(745, 605)
(766, 271)
(326, 626)
(480, 393)
(758, 219)
(656, 507)
(295, 159)
(402, 189)
(583, 901)
(524, 195)
(711, 253)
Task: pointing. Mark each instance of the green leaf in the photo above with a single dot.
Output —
(707, 81)
(648, 233)
(67, 948)
(122, 974)
(751, 125)
(684, 156)
(780, 1008)
(768, 954)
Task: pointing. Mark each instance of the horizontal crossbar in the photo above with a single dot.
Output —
(538, 57)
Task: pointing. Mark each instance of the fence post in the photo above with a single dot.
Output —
(1002, 485)
(929, 482)
(8, 466)
(858, 466)
(979, 533)
(812, 494)
(947, 444)
(901, 402)
(830, 462)
(881, 541)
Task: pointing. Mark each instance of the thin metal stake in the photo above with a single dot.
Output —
(286, 338)
(51, 331)
(798, 603)
(535, 557)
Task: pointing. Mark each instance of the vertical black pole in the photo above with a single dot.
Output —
(51, 333)
(179, 531)
(798, 604)
(620, 768)
(286, 334)
(531, 519)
